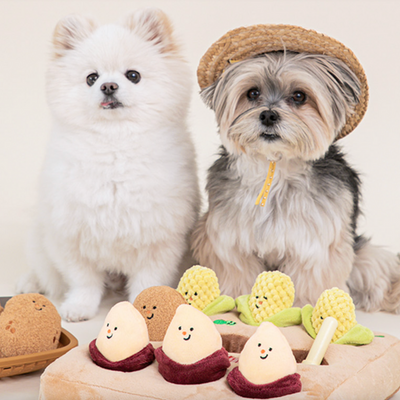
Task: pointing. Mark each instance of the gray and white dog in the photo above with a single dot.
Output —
(289, 107)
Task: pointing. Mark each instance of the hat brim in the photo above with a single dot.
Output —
(247, 42)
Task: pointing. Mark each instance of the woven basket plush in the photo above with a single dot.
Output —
(18, 365)
(242, 43)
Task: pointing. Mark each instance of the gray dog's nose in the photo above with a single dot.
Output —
(109, 87)
(269, 118)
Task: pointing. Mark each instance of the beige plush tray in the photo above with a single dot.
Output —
(32, 362)
(369, 372)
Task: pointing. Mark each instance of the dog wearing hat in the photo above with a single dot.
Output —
(282, 195)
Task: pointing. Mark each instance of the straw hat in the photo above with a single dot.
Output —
(242, 43)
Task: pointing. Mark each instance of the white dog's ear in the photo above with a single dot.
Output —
(154, 26)
(71, 30)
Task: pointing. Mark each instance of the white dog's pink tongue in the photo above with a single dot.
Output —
(106, 103)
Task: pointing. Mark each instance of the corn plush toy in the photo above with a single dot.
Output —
(199, 286)
(339, 305)
(271, 300)
(29, 324)
(267, 367)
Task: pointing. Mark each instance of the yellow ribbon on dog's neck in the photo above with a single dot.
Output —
(262, 197)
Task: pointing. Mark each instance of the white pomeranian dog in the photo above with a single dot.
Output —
(119, 191)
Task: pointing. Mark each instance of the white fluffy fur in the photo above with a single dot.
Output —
(119, 188)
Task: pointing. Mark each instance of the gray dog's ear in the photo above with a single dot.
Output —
(342, 84)
(340, 81)
(71, 30)
(153, 25)
(207, 95)
(346, 79)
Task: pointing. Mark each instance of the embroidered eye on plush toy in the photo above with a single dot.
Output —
(199, 286)
(267, 367)
(29, 323)
(123, 341)
(192, 351)
(271, 299)
(339, 305)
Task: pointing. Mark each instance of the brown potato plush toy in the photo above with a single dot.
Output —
(158, 304)
(29, 324)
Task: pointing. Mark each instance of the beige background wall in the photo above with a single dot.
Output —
(369, 28)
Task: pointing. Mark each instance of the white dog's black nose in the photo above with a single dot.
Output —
(109, 87)
(269, 118)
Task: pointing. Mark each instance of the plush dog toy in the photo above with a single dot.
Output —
(199, 286)
(339, 305)
(157, 305)
(123, 341)
(29, 323)
(192, 351)
(267, 367)
(271, 299)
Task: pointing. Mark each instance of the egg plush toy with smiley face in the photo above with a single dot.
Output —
(192, 351)
(123, 341)
(267, 367)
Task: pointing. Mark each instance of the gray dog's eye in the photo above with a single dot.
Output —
(133, 76)
(92, 78)
(253, 94)
(299, 97)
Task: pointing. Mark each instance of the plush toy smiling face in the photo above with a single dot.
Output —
(186, 335)
(272, 292)
(158, 304)
(266, 356)
(191, 336)
(123, 334)
(199, 286)
(29, 324)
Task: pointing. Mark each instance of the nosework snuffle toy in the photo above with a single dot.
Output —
(282, 195)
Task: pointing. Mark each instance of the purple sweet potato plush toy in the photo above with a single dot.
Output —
(192, 351)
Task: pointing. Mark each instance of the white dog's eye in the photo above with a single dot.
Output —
(253, 94)
(133, 76)
(299, 97)
(92, 78)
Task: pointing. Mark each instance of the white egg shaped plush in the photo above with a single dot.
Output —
(123, 341)
(191, 336)
(192, 351)
(267, 367)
